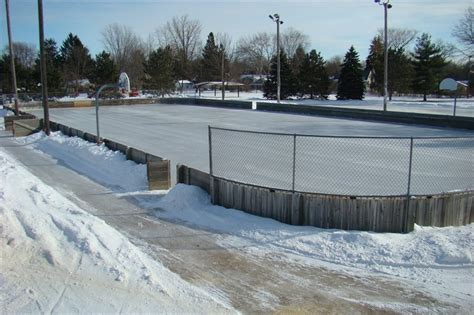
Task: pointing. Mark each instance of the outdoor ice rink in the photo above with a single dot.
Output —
(180, 133)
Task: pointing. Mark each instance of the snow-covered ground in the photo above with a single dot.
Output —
(57, 252)
(441, 259)
(439, 106)
(57, 258)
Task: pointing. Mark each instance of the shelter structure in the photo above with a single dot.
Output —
(215, 85)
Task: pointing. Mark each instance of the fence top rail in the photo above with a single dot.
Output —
(342, 137)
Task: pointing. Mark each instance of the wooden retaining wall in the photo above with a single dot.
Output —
(379, 214)
(26, 127)
(8, 120)
(190, 176)
(158, 169)
(445, 209)
(461, 122)
(234, 104)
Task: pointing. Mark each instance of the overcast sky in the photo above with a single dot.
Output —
(332, 25)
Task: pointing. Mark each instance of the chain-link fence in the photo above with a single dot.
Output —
(355, 166)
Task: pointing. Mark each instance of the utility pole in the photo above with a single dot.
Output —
(222, 72)
(12, 58)
(276, 18)
(469, 84)
(278, 62)
(386, 5)
(385, 59)
(44, 78)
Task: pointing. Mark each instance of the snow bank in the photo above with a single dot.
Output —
(435, 255)
(58, 258)
(110, 168)
(79, 97)
(4, 112)
(425, 247)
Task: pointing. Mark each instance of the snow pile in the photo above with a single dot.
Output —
(4, 112)
(58, 258)
(428, 254)
(97, 162)
(79, 97)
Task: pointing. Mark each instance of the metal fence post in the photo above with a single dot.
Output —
(409, 185)
(211, 177)
(294, 163)
(210, 149)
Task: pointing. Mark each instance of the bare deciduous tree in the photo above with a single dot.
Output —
(25, 53)
(127, 50)
(224, 40)
(464, 31)
(257, 51)
(291, 39)
(120, 41)
(181, 33)
(399, 38)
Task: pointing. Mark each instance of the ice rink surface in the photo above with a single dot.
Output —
(180, 133)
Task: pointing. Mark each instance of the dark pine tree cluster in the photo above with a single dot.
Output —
(351, 84)
(159, 72)
(304, 76)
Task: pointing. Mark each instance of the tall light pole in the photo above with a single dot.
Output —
(386, 5)
(276, 18)
(12, 58)
(222, 50)
(469, 85)
(44, 80)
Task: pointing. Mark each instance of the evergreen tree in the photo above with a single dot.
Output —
(288, 81)
(211, 61)
(53, 66)
(374, 65)
(351, 82)
(106, 71)
(297, 60)
(313, 78)
(159, 74)
(428, 64)
(76, 60)
(25, 78)
(400, 72)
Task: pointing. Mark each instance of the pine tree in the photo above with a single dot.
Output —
(288, 81)
(76, 60)
(351, 82)
(106, 71)
(400, 72)
(297, 60)
(428, 64)
(375, 65)
(159, 74)
(313, 78)
(25, 77)
(210, 62)
(53, 66)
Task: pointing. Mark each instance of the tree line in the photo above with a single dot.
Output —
(175, 52)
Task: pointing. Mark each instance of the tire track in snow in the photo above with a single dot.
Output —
(66, 286)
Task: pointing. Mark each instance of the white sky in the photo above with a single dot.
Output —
(332, 26)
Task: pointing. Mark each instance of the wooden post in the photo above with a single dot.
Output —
(12, 58)
(44, 77)
(407, 211)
